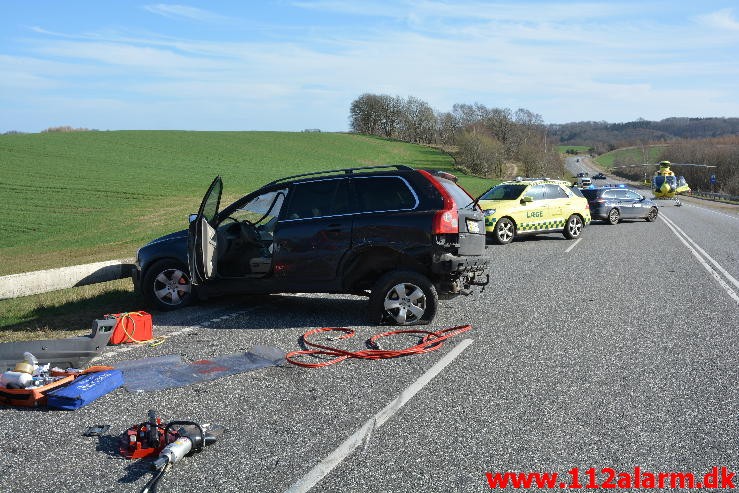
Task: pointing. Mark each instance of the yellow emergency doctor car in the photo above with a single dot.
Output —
(534, 206)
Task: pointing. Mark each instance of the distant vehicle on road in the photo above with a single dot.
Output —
(615, 203)
(583, 180)
(599, 176)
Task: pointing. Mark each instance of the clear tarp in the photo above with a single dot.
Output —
(165, 372)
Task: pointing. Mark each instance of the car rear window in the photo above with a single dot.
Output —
(384, 193)
(589, 193)
(461, 198)
(555, 191)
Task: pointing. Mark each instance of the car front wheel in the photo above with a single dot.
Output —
(504, 231)
(166, 285)
(403, 298)
(652, 216)
(573, 227)
(614, 216)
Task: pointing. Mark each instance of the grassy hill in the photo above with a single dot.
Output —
(630, 155)
(80, 197)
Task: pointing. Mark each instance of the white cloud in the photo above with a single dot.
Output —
(174, 11)
(513, 55)
(721, 19)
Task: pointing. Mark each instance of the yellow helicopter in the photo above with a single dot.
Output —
(665, 184)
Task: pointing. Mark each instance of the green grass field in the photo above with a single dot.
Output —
(80, 197)
(630, 155)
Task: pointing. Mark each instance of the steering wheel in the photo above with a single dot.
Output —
(249, 232)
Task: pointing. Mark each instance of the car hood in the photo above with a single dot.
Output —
(497, 204)
(178, 235)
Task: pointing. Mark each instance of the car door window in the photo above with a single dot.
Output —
(384, 193)
(319, 198)
(609, 194)
(632, 195)
(261, 209)
(537, 192)
(555, 192)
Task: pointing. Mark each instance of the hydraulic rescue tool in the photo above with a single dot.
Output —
(172, 442)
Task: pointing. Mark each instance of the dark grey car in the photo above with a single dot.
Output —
(614, 203)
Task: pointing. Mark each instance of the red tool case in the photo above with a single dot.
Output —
(131, 327)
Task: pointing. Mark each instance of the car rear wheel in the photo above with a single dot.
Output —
(504, 231)
(652, 216)
(573, 227)
(166, 285)
(614, 216)
(403, 298)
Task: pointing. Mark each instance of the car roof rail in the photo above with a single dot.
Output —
(347, 171)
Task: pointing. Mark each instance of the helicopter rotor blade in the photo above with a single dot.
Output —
(632, 166)
(696, 165)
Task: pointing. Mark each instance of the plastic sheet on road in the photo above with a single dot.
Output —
(165, 372)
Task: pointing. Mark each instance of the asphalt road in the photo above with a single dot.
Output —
(617, 350)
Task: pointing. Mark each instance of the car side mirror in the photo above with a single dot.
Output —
(526, 198)
(192, 217)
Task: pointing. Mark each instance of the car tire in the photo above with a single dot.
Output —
(614, 216)
(652, 216)
(504, 231)
(573, 227)
(403, 297)
(167, 286)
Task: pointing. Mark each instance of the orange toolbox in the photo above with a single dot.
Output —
(131, 327)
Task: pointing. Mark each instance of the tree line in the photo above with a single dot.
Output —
(604, 136)
(490, 142)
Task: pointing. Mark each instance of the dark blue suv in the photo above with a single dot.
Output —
(398, 235)
(613, 203)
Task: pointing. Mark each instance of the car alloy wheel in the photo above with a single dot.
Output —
(167, 285)
(652, 216)
(573, 228)
(403, 298)
(614, 216)
(504, 231)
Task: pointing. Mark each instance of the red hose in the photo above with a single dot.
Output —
(431, 341)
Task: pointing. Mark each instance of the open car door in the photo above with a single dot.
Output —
(202, 243)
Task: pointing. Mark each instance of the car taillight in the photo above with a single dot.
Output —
(446, 221)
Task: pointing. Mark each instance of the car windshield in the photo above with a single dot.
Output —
(504, 191)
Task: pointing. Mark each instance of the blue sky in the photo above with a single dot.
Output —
(291, 65)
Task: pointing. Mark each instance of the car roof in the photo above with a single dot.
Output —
(534, 181)
(338, 172)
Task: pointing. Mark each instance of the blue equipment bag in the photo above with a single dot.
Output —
(85, 389)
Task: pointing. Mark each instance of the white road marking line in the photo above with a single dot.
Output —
(315, 475)
(695, 253)
(712, 211)
(697, 247)
(573, 245)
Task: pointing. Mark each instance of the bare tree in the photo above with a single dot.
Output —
(480, 153)
(364, 114)
(418, 121)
